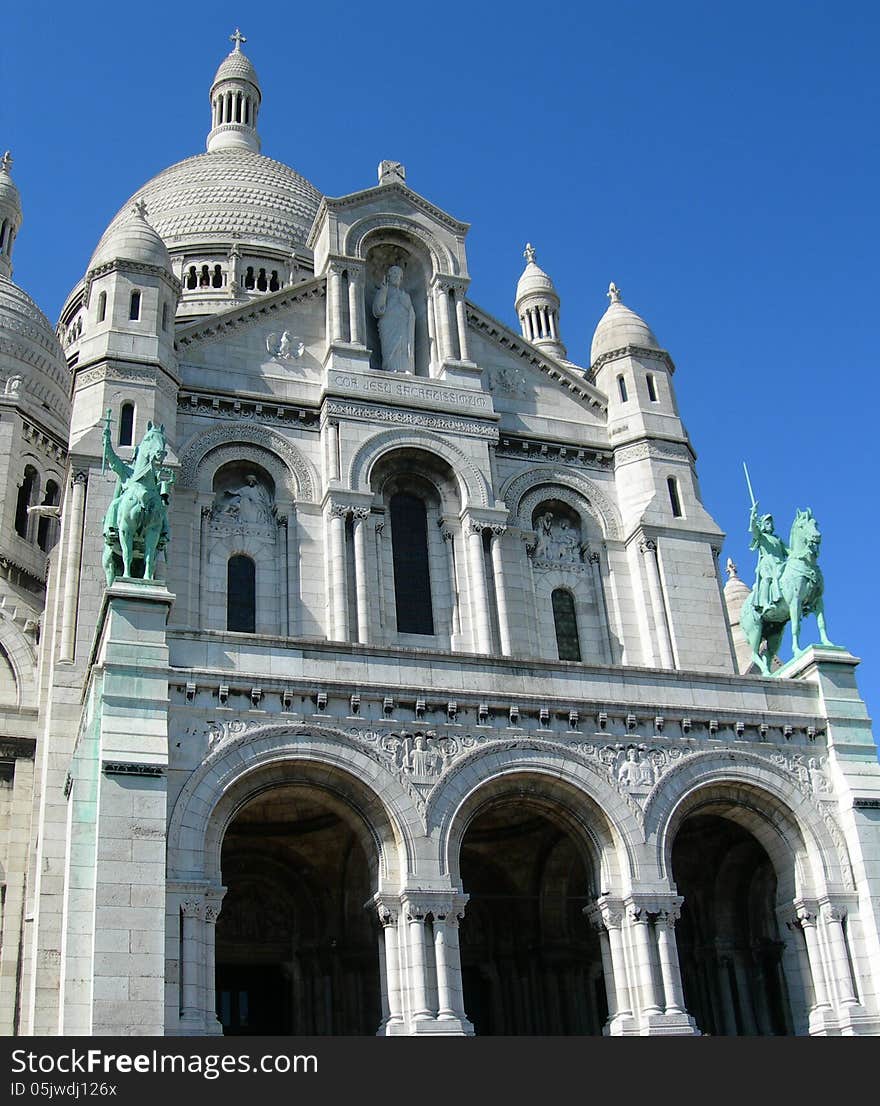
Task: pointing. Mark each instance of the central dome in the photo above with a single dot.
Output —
(224, 195)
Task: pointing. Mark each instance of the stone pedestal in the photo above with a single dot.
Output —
(129, 684)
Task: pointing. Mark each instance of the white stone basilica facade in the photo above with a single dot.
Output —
(435, 722)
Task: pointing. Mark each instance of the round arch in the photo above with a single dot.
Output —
(473, 486)
(587, 497)
(207, 450)
(808, 856)
(18, 651)
(244, 766)
(605, 821)
(358, 235)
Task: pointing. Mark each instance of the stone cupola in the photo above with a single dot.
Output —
(537, 306)
(10, 214)
(235, 102)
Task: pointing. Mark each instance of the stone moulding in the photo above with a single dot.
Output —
(130, 768)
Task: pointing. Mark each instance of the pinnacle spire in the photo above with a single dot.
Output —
(529, 253)
(613, 293)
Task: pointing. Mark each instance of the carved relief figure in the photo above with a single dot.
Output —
(250, 503)
(558, 541)
(393, 309)
(635, 771)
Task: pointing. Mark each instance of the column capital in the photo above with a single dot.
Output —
(79, 477)
(647, 545)
(193, 907)
(449, 905)
(609, 911)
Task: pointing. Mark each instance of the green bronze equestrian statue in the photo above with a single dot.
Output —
(136, 523)
(788, 585)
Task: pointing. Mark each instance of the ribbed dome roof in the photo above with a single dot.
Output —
(236, 67)
(132, 240)
(30, 349)
(620, 327)
(534, 279)
(216, 196)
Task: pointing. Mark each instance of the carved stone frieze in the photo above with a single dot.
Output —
(448, 423)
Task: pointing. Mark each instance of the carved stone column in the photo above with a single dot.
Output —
(599, 590)
(334, 303)
(447, 958)
(479, 594)
(392, 1005)
(806, 919)
(441, 315)
(72, 566)
(461, 323)
(204, 526)
(448, 534)
(833, 917)
(213, 905)
(612, 918)
(192, 912)
(501, 591)
(670, 971)
(380, 571)
(357, 329)
(640, 920)
(661, 626)
(415, 916)
(594, 916)
(360, 515)
(336, 572)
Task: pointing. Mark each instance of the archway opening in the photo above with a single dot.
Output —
(729, 943)
(531, 965)
(296, 952)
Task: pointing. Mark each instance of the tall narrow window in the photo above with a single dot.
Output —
(126, 424)
(44, 526)
(25, 498)
(565, 621)
(164, 316)
(217, 277)
(652, 388)
(134, 306)
(241, 594)
(674, 498)
(412, 577)
(249, 278)
(621, 384)
(102, 307)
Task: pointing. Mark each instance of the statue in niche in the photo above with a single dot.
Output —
(251, 503)
(545, 537)
(393, 309)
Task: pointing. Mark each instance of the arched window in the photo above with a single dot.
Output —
(674, 497)
(621, 384)
(274, 283)
(217, 278)
(412, 577)
(44, 526)
(192, 279)
(26, 493)
(249, 278)
(126, 424)
(262, 283)
(241, 594)
(205, 277)
(565, 621)
(134, 306)
(102, 307)
(652, 388)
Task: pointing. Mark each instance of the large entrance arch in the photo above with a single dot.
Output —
(296, 952)
(530, 963)
(729, 941)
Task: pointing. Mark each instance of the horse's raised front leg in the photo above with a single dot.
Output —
(820, 622)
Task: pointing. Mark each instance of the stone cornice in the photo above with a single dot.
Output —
(630, 351)
(507, 339)
(214, 326)
(362, 411)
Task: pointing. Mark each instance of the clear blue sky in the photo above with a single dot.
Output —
(718, 162)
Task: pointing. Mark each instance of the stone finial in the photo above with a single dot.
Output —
(529, 253)
(238, 38)
(613, 292)
(731, 570)
(391, 171)
(6, 162)
(139, 208)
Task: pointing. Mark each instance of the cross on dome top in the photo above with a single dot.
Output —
(529, 253)
(238, 38)
(139, 208)
(6, 162)
(613, 292)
